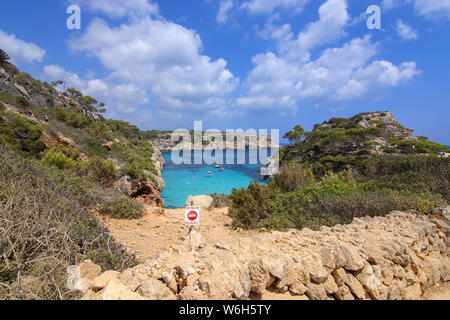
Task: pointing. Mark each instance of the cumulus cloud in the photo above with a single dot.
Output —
(225, 7)
(269, 6)
(427, 8)
(162, 57)
(120, 97)
(434, 8)
(405, 31)
(120, 8)
(19, 50)
(285, 78)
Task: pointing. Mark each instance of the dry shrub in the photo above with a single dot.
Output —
(45, 226)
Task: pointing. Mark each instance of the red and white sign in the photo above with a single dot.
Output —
(192, 217)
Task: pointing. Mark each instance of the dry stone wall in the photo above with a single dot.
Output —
(394, 257)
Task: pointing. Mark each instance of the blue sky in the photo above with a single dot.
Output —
(242, 63)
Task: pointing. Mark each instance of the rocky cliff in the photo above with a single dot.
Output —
(70, 120)
(340, 142)
(394, 257)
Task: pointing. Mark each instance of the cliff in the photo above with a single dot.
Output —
(73, 123)
(340, 142)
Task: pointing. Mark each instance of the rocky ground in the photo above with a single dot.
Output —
(400, 256)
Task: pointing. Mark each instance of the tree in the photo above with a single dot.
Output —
(3, 56)
(88, 103)
(73, 93)
(297, 135)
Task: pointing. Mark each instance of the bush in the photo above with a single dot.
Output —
(71, 117)
(103, 170)
(122, 208)
(419, 184)
(220, 200)
(46, 227)
(53, 157)
(292, 176)
(21, 134)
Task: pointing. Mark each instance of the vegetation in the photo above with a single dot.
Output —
(295, 199)
(122, 208)
(332, 174)
(46, 226)
(19, 133)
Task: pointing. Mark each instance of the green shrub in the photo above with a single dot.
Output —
(220, 200)
(71, 117)
(58, 159)
(102, 170)
(339, 198)
(122, 208)
(21, 134)
(294, 175)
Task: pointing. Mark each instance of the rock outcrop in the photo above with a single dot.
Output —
(394, 257)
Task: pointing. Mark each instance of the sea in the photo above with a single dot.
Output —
(191, 179)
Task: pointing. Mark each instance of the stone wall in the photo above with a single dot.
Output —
(393, 257)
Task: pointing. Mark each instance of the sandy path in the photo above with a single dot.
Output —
(155, 232)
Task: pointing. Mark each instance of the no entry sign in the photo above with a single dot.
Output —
(192, 217)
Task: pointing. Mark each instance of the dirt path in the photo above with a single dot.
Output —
(154, 232)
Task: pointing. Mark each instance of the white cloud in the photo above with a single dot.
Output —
(120, 8)
(285, 78)
(433, 8)
(163, 58)
(333, 17)
(120, 97)
(405, 31)
(427, 8)
(19, 50)
(269, 6)
(224, 10)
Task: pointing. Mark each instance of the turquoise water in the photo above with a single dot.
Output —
(184, 180)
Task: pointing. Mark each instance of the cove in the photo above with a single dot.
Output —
(184, 180)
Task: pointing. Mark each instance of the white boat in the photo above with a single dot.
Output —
(221, 169)
(209, 174)
(217, 166)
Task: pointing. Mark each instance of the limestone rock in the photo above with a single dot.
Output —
(203, 201)
(194, 240)
(155, 290)
(133, 278)
(413, 292)
(351, 259)
(102, 280)
(116, 290)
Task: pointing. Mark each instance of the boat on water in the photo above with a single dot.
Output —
(221, 168)
(209, 174)
(217, 166)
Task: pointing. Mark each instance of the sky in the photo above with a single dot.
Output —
(262, 64)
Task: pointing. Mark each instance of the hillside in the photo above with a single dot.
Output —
(60, 159)
(367, 165)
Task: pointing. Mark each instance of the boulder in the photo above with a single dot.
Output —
(133, 278)
(102, 280)
(116, 290)
(351, 260)
(81, 277)
(260, 276)
(194, 240)
(156, 290)
(204, 202)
